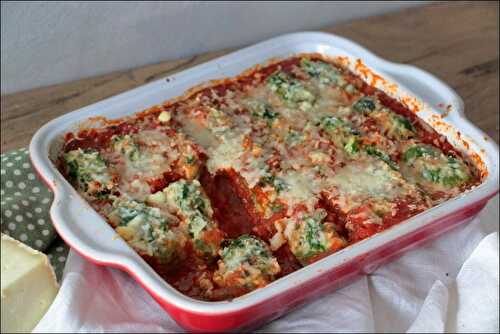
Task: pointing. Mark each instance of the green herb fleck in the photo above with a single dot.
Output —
(364, 104)
(372, 150)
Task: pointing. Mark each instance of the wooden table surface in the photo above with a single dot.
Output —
(458, 42)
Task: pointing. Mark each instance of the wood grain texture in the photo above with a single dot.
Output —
(458, 42)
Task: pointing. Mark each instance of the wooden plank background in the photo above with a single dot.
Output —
(458, 42)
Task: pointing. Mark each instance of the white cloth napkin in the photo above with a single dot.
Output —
(450, 284)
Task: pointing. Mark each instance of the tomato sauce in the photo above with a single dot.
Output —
(232, 200)
(97, 138)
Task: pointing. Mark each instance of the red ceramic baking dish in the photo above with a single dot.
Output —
(88, 233)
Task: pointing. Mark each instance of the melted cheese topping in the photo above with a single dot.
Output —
(316, 156)
(140, 159)
(301, 188)
(188, 200)
(370, 178)
(309, 237)
(370, 181)
(246, 263)
(148, 163)
(145, 228)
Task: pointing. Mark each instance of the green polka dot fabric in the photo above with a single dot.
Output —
(25, 203)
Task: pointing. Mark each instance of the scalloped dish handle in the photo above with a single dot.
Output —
(428, 87)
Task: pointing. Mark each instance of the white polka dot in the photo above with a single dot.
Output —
(21, 185)
(31, 176)
(45, 232)
(13, 153)
(17, 172)
(23, 237)
(32, 198)
(9, 184)
(35, 190)
(31, 227)
(25, 202)
(19, 218)
(2, 171)
(18, 158)
(45, 200)
(28, 214)
(2, 192)
(41, 221)
(59, 249)
(61, 259)
(38, 210)
(9, 164)
(5, 159)
(26, 165)
(15, 206)
(17, 193)
(12, 226)
(3, 203)
(8, 198)
(39, 243)
(7, 213)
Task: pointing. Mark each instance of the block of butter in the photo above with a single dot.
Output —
(28, 286)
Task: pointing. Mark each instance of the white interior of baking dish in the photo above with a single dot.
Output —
(90, 235)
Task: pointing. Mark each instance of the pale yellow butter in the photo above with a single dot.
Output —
(28, 286)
